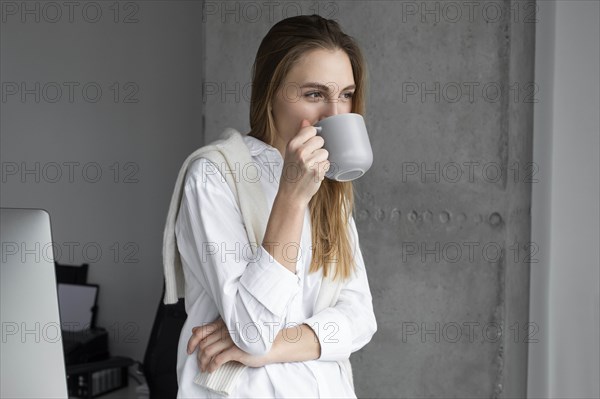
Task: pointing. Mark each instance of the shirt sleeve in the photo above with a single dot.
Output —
(350, 324)
(250, 290)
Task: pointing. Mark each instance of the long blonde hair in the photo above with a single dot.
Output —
(331, 207)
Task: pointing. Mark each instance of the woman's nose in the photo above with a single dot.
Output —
(330, 108)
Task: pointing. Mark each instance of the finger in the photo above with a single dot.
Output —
(213, 350)
(220, 332)
(317, 159)
(313, 144)
(206, 357)
(323, 166)
(220, 359)
(323, 169)
(197, 336)
(209, 340)
(320, 155)
(199, 333)
(211, 346)
(306, 132)
(312, 151)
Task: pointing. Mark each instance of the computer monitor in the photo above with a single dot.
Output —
(31, 354)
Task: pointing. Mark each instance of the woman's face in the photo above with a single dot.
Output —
(319, 85)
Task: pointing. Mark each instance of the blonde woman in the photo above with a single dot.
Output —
(255, 304)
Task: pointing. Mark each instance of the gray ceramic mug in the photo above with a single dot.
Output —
(347, 142)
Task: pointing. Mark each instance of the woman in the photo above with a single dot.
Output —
(261, 310)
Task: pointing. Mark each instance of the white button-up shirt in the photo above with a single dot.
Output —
(255, 295)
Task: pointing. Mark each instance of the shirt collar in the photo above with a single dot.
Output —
(257, 146)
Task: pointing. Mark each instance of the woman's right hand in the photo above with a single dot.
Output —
(304, 166)
(216, 347)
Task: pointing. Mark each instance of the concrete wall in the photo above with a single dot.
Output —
(444, 212)
(102, 165)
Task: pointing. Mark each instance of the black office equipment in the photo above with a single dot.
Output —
(71, 274)
(89, 380)
(91, 371)
(85, 346)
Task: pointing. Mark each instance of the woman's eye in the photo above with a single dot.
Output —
(313, 95)
(347, 96)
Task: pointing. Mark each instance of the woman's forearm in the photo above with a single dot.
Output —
(284, 229)
(304, 167)
(216, 347)
(295, 344)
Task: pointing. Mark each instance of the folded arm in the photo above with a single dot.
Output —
(292, 344)
(330, 335)
(251, 292)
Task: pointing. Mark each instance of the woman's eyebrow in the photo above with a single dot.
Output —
(323, 87)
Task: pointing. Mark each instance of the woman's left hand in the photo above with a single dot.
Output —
(216, 348)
